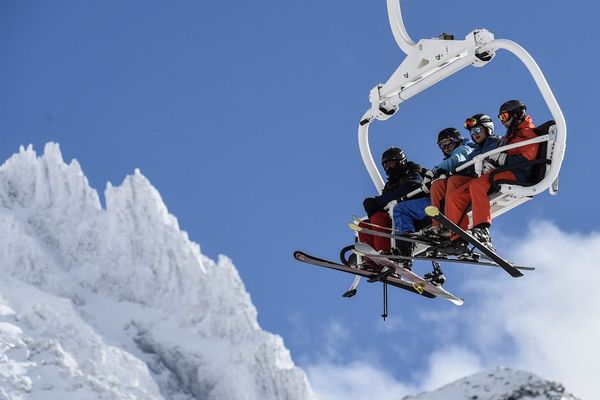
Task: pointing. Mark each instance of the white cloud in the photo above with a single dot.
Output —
(357, 380)
(553, 314)
(449, 365)
(547, 322)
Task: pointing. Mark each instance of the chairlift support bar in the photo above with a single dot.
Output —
(432, 60)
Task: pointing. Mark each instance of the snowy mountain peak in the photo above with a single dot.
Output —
(498, 384)
(118, 303)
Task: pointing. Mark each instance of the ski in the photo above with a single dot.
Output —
(450, 260)
(434, 213)
(397, 282)
(417, 282)
(355, 227)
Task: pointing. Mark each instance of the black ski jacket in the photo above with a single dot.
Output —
(401, 181)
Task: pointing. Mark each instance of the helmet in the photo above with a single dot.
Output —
(480, 119)
(512, 106)
(449, 133)
(513, 110)
(393, 154)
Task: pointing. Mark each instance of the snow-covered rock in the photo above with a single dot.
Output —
(498, 384)
(118, 303)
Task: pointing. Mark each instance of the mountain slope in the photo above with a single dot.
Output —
(118, 303)
(498, 384)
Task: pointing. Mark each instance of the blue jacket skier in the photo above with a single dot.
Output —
(409, 213)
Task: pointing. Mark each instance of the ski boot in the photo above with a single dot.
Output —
(405, 249)
(435, 232)
(482, 234)
(435, 277)
(458, 248)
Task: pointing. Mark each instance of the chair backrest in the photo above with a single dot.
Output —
(539, 170)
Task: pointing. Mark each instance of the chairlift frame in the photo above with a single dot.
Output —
(428, 62)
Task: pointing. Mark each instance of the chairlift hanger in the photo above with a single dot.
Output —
(428, 62)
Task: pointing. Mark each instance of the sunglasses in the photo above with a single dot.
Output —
(477, 130)
(470, 122)
(504, 116)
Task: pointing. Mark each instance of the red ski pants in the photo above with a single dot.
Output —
(441, 187)
(380, 218)
(473, 192)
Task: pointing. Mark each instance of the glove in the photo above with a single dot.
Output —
(498, 159)
(487, 167)
(426, 185)
(371, 206)
(440, 174)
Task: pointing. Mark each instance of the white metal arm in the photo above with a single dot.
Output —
(431, 60)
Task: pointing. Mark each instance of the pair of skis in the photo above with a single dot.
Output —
(403, 278)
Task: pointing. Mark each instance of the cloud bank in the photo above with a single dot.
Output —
(546, 322)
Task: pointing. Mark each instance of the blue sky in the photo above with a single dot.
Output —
(244, 117)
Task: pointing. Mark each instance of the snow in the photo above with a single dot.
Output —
(498, 384)
(118, 303)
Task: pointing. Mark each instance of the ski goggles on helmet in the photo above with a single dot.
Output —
(477, 130)
(389, 164)
(504, 116)
(470, 122)
(445, 142)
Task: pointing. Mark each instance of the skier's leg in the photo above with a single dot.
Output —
(438, 193)
(381, 218)
(479, 188)
(457, 203)
(406, 213)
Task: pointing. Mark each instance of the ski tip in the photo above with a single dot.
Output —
(354, 227)
(458, 301)
(432, 211)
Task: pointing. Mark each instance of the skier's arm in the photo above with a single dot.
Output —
(412, 182)
(458, 157)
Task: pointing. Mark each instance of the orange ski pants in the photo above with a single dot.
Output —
(441, 187)
(473, 192)
(382, 219)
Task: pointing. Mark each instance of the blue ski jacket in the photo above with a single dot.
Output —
(490, 143)
(458, 156)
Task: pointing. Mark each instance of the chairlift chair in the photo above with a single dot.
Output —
(428, 62)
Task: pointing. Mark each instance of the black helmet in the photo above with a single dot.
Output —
(513, 110)
(480, 119)
(449, 133)
(448, 140)
(393, 154)
(512, 106)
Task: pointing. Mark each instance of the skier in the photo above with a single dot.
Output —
(410, 212)
(519, 126)
(403, 177)
(481, 129)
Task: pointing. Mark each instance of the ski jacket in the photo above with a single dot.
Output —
(490, 143)
(400, 183)
(523, 131)
(458, 156)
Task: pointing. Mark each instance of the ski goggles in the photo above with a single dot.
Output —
(504, 116)
(470, 122)
(445, 142)
(389, 164)
(477, 130)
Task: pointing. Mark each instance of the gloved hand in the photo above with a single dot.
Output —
(487, 167)
(498, 159)
(440, 174)
(426, 184)
(371, 206)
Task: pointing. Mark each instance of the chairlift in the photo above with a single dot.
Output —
(428, 62)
